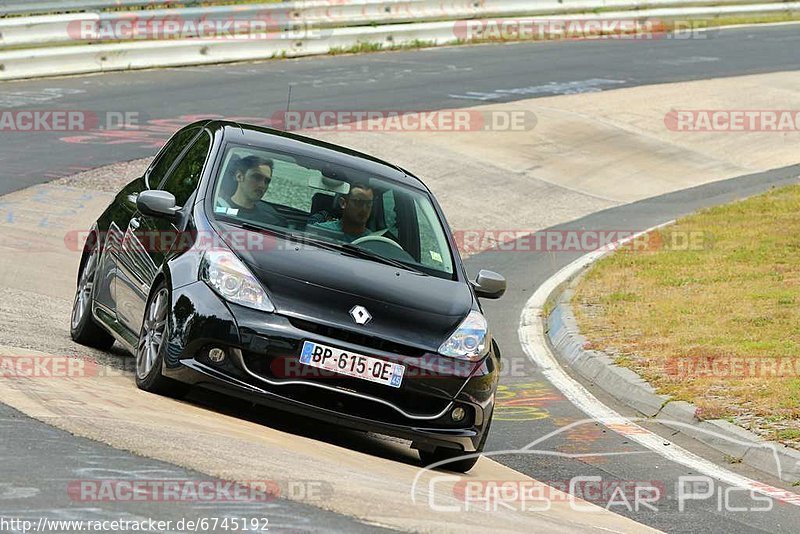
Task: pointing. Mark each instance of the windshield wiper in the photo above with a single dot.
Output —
(245, 224)
(364, 253)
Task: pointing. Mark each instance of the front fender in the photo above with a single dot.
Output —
(198, 317)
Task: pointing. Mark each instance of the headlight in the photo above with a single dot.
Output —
(469, 341)
(229, 277)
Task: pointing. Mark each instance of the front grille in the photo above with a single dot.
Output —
(358, 339)
(280, 365)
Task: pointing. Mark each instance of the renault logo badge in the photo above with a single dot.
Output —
(360, 315)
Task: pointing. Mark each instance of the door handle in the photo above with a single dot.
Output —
(134, 224)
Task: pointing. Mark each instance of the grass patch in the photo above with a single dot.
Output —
(358, 48)
(363, 47)
(788, 434)
(708, 304)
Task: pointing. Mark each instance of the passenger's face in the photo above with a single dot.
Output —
(358, 206)
(254, 183)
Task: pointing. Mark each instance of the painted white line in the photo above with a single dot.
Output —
(532, 337)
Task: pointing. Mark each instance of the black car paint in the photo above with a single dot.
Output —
(413, 314)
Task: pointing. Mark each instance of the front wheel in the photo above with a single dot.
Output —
(153, 339)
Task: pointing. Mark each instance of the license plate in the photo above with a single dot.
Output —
(351, 364)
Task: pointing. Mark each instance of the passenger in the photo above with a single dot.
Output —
(356, 210)
(253, 175)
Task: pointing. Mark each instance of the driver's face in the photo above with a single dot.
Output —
(358, 206)
(254, 182)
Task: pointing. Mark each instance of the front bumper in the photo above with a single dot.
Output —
(263, 367)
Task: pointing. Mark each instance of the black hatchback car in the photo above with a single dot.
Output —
(297, 274)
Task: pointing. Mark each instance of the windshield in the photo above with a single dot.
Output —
(319, 201)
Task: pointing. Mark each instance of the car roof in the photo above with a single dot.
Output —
(269, 138)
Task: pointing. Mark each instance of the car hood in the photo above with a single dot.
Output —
(322, 286)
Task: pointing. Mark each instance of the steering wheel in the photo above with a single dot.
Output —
(379, 238)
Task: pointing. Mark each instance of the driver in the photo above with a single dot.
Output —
(356, 210)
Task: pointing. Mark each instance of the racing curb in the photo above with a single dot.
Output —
(598, 368)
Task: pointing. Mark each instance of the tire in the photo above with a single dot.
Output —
(83, 327)
(459, 466)
(152, 345)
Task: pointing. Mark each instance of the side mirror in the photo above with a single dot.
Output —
(489, 284)
(157, 204)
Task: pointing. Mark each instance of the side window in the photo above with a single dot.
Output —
(169, 154)
(186, 176)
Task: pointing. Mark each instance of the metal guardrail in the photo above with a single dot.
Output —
(43, 7)
(34, 7)
(89, 58)
(98, 26)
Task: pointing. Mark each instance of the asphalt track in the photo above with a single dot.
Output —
(35, 487)
(453, 77)
(411, 81)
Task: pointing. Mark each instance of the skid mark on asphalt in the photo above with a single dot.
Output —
(594, 85)
(15, 99)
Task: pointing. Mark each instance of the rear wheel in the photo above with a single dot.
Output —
(459, 466)
(83, 327)
(153, 340)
